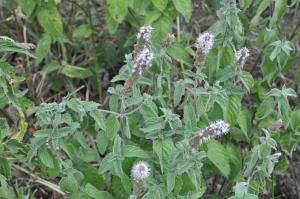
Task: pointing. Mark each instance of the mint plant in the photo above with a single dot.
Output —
(144, 102)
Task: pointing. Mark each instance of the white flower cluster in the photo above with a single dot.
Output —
(218, 128)
(145, 33)
(143, 59)
(140, 171)
(205, 42)
(27, 46)
(242, 54)
(213, 130)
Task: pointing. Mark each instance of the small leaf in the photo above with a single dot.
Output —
(163, 149)
(247, 80)
(76, 72)
(160, 4)
(134, 151)
(218, 155)
(178, 92)
(95, 193)
(69, 184)
(112, 127)
(4, 128)
(82, 31)
(46, 157)
(5, 169)
(265, 108)
(178, 52)
(184, 7)
(99, 118)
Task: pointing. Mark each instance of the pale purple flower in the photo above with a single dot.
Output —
(27, 46)
(140, 171)
(218, 128)
(144, 58)
(145, 33)
(242, 55)
(205, 42)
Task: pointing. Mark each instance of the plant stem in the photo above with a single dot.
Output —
(178, 40)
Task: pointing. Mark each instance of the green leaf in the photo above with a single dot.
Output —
(42, 48)
(117, 9)
(99, 118)
(102, 142)
(4, 128)
(262, 6)
(218, 155)
(265, 108)
(163, 149)
(184, 7)
(235, 161)
(178, 52)
(244, 121)
(160, 4)
(117, 153)
(76, 72)
(134, 151)
(112, 127)
(280, 8)
(93, 192)
(46, 157)
(5, 168)
(247, 80)
(51, 21)
(231, 111)
(27, 6)
(69, 184)
(295, 120)
(189, 117)
(82, 31)
(178, 92)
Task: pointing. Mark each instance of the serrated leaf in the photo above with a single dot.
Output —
(42, 48)
(4, 128)
(184, 7)
(69, 184)
(163, 149)
(93, 192)
(112, 127)
(179, 53)
(280, 8)
(5, 169)
(76, 72)
(50, 19)
(247, 80)
(232, 109)
(117, 9)
(178, 92)
(134, 151)
(160, 4)
(99, 118)
(265, 108)
(218, 155)
(102, 142)
(46, 158)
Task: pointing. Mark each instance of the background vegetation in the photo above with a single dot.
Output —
(79, 108)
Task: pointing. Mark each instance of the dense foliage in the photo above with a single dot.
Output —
(147, 99)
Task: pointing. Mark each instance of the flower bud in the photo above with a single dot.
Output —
(213, 130)
(144, 33)
(205, 42)
(241, 56)
(140, 171)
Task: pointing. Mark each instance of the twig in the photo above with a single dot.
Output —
(39, 180)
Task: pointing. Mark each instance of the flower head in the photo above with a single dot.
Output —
(144, 58)
(242, 55)
(145, 33)
(140, 171)
(205, 42)
(218, 128)
(213, 130)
